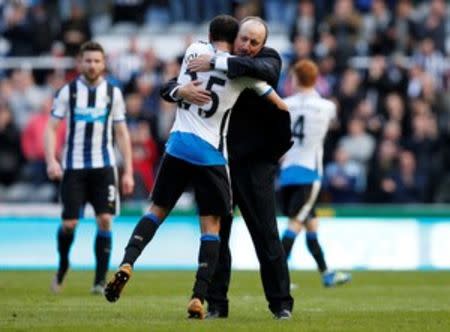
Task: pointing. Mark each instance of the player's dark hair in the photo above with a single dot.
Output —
(91, 46)
(223, 28)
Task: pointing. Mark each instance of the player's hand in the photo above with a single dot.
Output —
(200, 63)
(127, 183)
(194, 93)
(54, 170)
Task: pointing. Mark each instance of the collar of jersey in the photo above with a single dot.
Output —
(90, 87)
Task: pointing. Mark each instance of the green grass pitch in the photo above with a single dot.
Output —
(156, 301)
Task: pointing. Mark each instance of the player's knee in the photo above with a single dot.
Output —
(69, 225)
(312, 225)
(210, 224)
(104, 222)
(159, 211)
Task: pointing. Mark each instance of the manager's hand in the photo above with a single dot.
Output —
(200, 63)
(194, 93)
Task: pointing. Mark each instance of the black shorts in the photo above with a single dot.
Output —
(211, 186)
(300, 200)
(97, 186)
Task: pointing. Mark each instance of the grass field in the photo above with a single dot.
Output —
(156, 301)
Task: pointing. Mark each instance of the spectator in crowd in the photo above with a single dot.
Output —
(376, 26)
(25, 96)
(128, 63)
(11, 158)
(382, 165)
(32, 142)
(366, 112)
(423, 142)
(344, 179)
(17, 29)
(357, 143)
(402, 26)
(392, 131)
(305, 23)
(129, 11)
(406, 184)
(145, 156)
(343, 25)
(430, 60)
(433, 24)
(328, 78)
(349, 94)
(75, 30)
(395, 110)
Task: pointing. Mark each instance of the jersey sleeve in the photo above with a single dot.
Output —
(333, 111)
(118, 106)
(192, 52)
(61, 103)
(260, 87)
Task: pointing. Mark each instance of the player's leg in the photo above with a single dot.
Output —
(291, 201)
(207, 260)
(102, 192)
(213, 196)
(144, 232)
(294, 228)
(218, 289)
(329, 278)
(298, 205)
(313, 245)
(168, 188)
(65, 237)
(102, 251)
(73, 198)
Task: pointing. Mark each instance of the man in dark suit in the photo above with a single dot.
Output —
(258, 136)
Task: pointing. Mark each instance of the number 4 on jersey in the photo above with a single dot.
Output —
(298, 129)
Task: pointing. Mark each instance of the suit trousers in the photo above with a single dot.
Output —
(253, 192)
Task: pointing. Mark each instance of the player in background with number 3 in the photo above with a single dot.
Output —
(196, 154)
(301, 167)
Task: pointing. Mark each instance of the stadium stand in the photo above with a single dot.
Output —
(385, 63)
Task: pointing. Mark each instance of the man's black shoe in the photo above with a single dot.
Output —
(283, 314)
(216, 314)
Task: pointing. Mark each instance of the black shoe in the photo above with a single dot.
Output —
(215, 314)
(283, 314)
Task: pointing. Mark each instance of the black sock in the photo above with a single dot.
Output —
(65, 239)
(142, 234)
(316, 251)
(207, 261)
(102, 254)
(288, 241)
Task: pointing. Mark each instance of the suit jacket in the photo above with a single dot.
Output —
(257, 129)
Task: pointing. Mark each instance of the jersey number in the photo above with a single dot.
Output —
(214, 97)
(299, 126)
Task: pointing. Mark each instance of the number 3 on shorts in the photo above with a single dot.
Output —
(111, 193)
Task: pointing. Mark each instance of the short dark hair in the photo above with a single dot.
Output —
(223, 28)
(91, 46)
(259, 20)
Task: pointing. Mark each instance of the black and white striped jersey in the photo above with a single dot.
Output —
(90, 113)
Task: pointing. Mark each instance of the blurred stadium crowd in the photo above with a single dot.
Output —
(385, 63)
